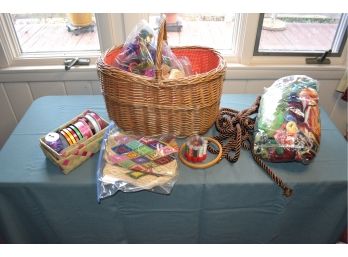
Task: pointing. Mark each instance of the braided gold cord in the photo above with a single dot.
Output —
(237, 127)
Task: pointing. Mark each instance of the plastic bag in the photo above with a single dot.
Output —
(133, 163)
(288, 122)
(138, 55)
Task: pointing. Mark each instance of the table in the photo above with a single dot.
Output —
(228, 203)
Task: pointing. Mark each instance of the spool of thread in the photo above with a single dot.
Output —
(196, 149)
(52, 139)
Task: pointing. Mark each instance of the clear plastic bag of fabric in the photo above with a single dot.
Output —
(288, 122)
(131, 163)
(138, 55)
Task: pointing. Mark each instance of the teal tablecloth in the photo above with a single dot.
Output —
(228, 203)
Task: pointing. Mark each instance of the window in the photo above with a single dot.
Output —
(47, 39)
(55, 32)
(301, 34)
(214, 30)
(243, 39)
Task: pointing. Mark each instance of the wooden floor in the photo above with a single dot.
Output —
(299, 36)
(55, 37)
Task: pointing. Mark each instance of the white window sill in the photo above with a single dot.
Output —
(234, 72)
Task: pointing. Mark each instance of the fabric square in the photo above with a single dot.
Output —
(138, 168)
(144, 150)
(117, 158)
(150, 165)
(136, 174)
(153, 156)
(121, 149)
(168, 150)
(141, 160)
(155, 144)
(163, 160)
(134, 144)
(132, 155)
(128, 164)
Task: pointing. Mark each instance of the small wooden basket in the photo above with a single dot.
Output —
(74, 155)
(152, 106)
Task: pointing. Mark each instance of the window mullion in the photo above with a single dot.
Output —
(132, 19)
(341, 34)
(110, 30)
(247, 37)
(9, 43)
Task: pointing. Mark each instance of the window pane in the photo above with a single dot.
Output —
(292, 32)
(210, 30)
(55, 32)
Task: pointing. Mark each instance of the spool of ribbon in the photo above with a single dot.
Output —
(52, 139)
(101, 123)
(67, 138)
(76, 137)
(78, 133)
(63, 140)
(70, 136)
(94, 123)
(83, 127)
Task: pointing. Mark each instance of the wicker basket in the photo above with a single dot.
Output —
(76, 154)
(153, 106)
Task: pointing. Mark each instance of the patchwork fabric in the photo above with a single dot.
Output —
(115, 159)
(144, 150)
(132, 155)
(155, 144)
(150, 165)
(142, 154)
(134, 144)
(141, 160)
(164, 160)
(121, 149)
(136, 174)
(128, 164)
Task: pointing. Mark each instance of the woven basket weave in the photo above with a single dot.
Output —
(153, 106)
(74, 155)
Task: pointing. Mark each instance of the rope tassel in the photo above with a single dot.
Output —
(237, 128)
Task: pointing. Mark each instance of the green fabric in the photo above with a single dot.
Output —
(228, 203)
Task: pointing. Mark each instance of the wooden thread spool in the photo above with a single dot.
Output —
(203, 165)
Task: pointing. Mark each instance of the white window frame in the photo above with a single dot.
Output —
(248, 58)
(336, 49)
(11, 56)
(114, 28)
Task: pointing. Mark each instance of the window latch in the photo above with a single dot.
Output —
(68, 63)
(320, 59)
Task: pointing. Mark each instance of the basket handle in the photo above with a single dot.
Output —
(162, 37)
